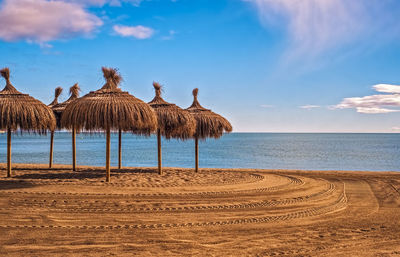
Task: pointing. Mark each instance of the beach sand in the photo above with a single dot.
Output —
(216, 212)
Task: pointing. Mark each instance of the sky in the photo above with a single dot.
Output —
(265, 65)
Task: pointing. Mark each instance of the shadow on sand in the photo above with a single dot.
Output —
(12, 184)
(61, 174)
(133, 171)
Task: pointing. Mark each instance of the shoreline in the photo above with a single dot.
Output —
(38, 166)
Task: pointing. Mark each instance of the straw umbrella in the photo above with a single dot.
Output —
(57, 93)
(109, 108)
(58, 109)
(209, 124)
(23, 112)
(173, 121)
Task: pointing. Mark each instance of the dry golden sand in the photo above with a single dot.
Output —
(216, 212)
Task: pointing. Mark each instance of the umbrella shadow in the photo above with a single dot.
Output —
(134, 171)
(62, 175)
(36, 168)
(7, 185)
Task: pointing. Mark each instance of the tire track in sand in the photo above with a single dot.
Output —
(337, 205)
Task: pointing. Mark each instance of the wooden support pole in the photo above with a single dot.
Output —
(159, 151)
(108, 155)
(119, 149)
(73, 149)
(197, 153)
(8, 152)
(51, 149)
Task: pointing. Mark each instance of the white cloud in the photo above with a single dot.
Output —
(42, 21)
(374, 110)
(88, 2)
(104, 2)
(385, 88)
(139, 32)
(309, 106)
(374, 104)
(315, 26)
(266, 106)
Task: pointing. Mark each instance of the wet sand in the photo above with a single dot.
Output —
(216, 212)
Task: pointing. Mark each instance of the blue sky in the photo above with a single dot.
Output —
(266, 65)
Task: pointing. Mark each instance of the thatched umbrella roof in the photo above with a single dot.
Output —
(173, 121)
(57, 93)
(74, 94)
(58, 108)
(54, 103)
(21, 111)
(209, 124)
(110, 108)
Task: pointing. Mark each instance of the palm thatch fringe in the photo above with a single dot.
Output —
(59, 108)
(112, 77)
(74, 92)
(23, 112)
(173, 121)
(110, 108)
(57, 93)
(209, 124)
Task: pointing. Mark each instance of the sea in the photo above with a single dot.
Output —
(303, 151)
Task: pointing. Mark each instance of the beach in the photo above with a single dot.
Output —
(200, 128)
(215, 212)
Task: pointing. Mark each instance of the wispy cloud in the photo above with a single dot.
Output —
(266, 106)
(41, 21)
(315, 26)
(396, 129)
(104, 2)
(139, 32)
(374, 104)
(309, 106)
(88, 2)
(170, 35)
